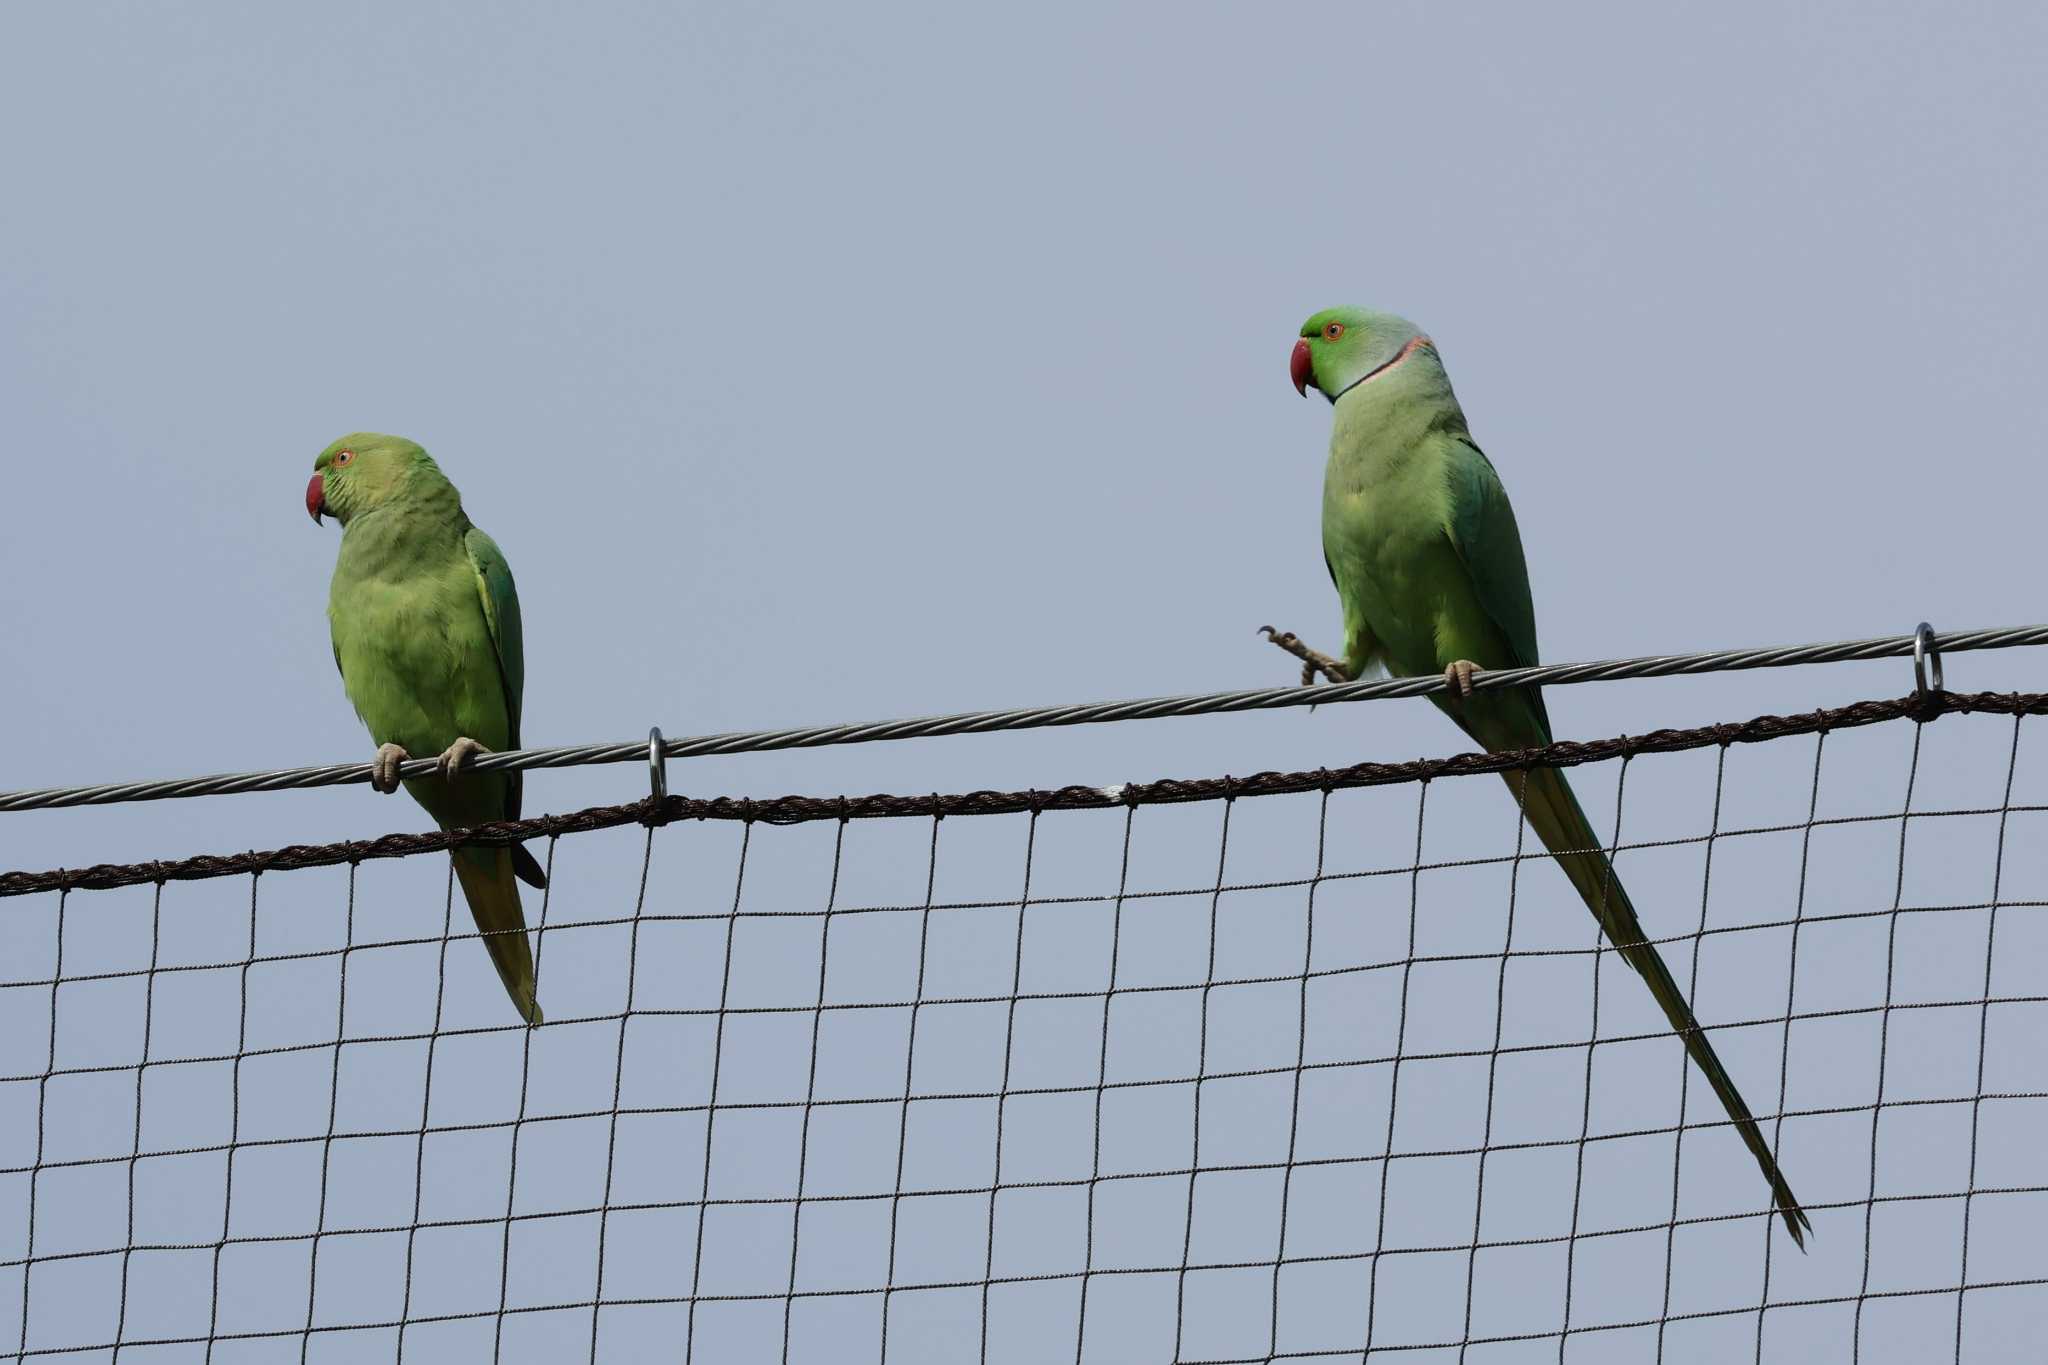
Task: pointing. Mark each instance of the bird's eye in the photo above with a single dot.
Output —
(1332, 330)
(342, 457)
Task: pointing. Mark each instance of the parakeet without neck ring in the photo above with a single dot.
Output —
(1423, 548)
(425, 621)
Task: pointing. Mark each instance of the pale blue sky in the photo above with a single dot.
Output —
(818, 363)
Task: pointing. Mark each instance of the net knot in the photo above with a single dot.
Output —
(1930, 705)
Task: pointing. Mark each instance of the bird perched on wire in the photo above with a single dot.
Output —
(425, 621)
(1422, 545)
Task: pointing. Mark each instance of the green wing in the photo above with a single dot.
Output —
(1482, 529)
(501, 614)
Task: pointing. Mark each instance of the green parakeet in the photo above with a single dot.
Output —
(1421, 542)
(425, 621)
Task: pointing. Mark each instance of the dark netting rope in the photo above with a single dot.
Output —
(791, 810)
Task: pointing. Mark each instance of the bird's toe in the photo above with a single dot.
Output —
(384, 767)
(457, 756)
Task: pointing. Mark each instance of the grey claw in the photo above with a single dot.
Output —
(384, 767)
(457, 756)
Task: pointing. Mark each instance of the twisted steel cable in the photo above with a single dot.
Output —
(1037, 717)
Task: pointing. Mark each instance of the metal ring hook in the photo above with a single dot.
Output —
(657, 773)
(1925, 652)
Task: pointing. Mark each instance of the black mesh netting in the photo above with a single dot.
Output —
(1230, 1072)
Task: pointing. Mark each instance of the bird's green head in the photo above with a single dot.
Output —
(1341, 348)
(361, 472)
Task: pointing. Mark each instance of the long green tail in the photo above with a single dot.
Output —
(487, 881)
(1554, 813)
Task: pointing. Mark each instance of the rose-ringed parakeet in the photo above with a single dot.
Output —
(1421, 543)
(425, 621)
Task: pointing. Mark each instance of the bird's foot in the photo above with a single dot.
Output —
(457, 756)
(1458, 677)
(384, 767)
(1312, 661)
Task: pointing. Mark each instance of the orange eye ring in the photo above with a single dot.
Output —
(342, 457)
(1332, 330)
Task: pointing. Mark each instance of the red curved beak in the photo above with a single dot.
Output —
(316, 496)
(1301, 367)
